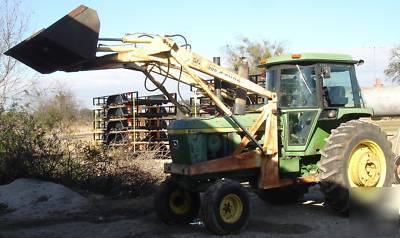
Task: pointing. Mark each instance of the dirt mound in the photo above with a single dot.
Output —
(34, 199)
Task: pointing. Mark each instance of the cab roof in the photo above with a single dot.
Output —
(308, 57)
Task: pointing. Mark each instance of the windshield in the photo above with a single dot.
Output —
(298, 87)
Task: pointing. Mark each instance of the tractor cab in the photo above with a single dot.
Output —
(314, 80)
(312, 87)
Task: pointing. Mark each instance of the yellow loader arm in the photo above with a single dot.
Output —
(71, 44)
(139, 53)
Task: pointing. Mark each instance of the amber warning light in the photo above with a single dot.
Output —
(296, 56)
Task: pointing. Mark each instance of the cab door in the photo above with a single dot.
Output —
(298, 101)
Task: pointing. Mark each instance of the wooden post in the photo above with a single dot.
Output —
(202, 84)
(241, 94)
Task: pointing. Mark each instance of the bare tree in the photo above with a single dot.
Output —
(58, 107)
(13, 24)
(393, 69)
(253, 50)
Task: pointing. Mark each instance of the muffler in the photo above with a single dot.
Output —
(68, 42)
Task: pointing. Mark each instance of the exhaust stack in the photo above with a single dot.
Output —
(68, 42)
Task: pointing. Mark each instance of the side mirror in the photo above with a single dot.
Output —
(326, 72)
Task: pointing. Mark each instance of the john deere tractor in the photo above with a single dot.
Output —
(321, 138)
(309, 131)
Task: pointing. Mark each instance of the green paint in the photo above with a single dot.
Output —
(358, 112)
(321, 130)
(309, 57)
(199, 139)
(291, 165)
(308, 169)
(298, 148)
(211, 124)
(188, 149)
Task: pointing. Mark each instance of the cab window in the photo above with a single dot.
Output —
(339, 88)
(298, 87)
(271, 79)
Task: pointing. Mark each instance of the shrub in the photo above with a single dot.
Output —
(22, 142)
(30, 150)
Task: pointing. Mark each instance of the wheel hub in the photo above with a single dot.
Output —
(367, 165)
(180, 201)
(231, 208)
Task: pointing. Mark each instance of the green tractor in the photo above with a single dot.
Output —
(309, 131)
(321, 139)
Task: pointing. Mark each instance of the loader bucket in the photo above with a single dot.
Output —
(68, 42)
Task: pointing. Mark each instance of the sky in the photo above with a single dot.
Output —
(364, 29)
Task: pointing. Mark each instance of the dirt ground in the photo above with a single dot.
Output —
(136, 218)
(125, 218)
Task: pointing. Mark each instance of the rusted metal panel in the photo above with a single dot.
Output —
(308, 179)
(269, 176)
(246, 160)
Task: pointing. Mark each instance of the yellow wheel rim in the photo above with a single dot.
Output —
(398, 171)
(367, 165)
(231, 208)
(180, 202)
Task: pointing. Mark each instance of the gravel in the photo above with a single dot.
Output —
(34, 199)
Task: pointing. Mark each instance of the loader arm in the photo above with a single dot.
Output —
(71, 44)
(174, 72)
(165, 52)
(171, 59)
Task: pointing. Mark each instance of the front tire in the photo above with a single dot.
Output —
(356, 154)
(225, 208)
(175, 205)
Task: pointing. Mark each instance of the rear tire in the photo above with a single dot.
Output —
(225, 208)
(175, 205)
(356, 154)
(397, 169)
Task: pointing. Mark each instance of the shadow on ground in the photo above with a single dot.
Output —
(135, 218)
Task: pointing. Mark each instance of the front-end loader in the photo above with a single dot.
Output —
(309, 131)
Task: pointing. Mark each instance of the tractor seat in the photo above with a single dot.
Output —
(337, 96)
